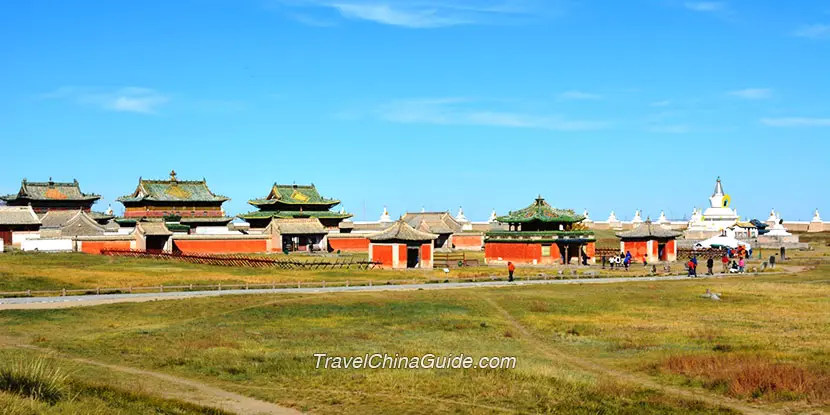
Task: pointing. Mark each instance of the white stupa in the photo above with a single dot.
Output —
(343, 212)
(773, 217)
(613, 222)
(637, 218)
(109, 210)
(816, 217)
(663, 220)
(719, 215)
(587, 218)
(460, 218)
(493, 217)
(778, 228)
(384, 218)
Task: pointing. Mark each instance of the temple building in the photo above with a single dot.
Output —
(297, 234)
(16, 224)
(540, 234)
(402, 246)
(442, 224)
(184, 202)
(46, 196)
(287, 201)
(650, 241)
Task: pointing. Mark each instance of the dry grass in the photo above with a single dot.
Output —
(754, 376)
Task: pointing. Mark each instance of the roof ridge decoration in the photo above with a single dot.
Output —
(646, 230)
(51, 190)
(542, 211)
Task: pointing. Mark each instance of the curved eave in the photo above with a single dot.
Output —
(558, 219)
(269, 202)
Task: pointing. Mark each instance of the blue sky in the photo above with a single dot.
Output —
(602, 105)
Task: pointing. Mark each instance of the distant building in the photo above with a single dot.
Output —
(442, 224)
(287, 201)
(402, 246)
(188, 203)
(46, 196)
(650, 241)
(540, 234)
(17, 223)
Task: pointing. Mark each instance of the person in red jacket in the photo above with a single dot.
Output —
(510, 269)
(725, 260)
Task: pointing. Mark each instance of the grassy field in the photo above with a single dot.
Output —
(54, 271)
(621, 348)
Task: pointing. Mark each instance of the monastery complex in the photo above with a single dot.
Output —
(186, 216)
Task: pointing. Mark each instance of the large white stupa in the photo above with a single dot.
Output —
(717, 217)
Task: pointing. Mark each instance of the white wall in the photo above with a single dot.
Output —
(47, 245)
(19, 236)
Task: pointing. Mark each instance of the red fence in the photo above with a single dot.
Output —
(237, 260)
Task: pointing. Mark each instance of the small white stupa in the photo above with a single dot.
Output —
(773, 217)
(460, 218)
(109, 210)
(637, 218)
(587, 218)
(613, 222)
(343, 212)
(816, 217)
(384, 218)
(493, 217)
(778, 228)
(663, 220)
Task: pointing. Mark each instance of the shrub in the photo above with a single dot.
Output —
(35, 379)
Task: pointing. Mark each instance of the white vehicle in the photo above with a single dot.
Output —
(722, 241)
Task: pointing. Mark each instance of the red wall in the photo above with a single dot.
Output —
(95, 247)
(468, 241)
(402, 256)
(382, 254)
(638, 249)
(356, 244)
(220, 246)
(515, 252)
(591, 249)
(425, 252)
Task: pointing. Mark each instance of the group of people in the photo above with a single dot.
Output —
(622, 260)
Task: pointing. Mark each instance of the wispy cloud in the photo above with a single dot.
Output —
(578, 95)
(706, 6)
(796, 122)
(311, 20)
(751, 93)
(421, 14)
(462, 111)
(814, 31)
(125, 99)
(664, 103)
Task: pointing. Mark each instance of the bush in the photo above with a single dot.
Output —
(35, 379)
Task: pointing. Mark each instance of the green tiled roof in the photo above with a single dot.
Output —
(172, 190)
(50, 191)
(264, 214)
(543, 212)
(293, 194)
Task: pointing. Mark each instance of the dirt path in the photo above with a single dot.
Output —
(177, 388)
(621, 376)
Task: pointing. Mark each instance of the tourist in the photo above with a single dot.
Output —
(783, 254)
(627, 260)
(725, 260)
(584, 257)
(510, 269)
(612, 261)
(710, 263)
(692, 268)
(733, 268)
(645, 261)
(749, 254)
(772, 261)
(603, 262)
(741, 265)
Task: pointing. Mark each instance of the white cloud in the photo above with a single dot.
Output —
(752, 93)
(422, 14)
(664, 103)
(796, 122)
(461, 111)
(126, 99)
(705, 6)
(579, 95)
(815, 31)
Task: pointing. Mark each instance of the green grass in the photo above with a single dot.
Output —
(263, 346)
(31, 383)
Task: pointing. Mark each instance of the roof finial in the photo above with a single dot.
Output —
(173, 176)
